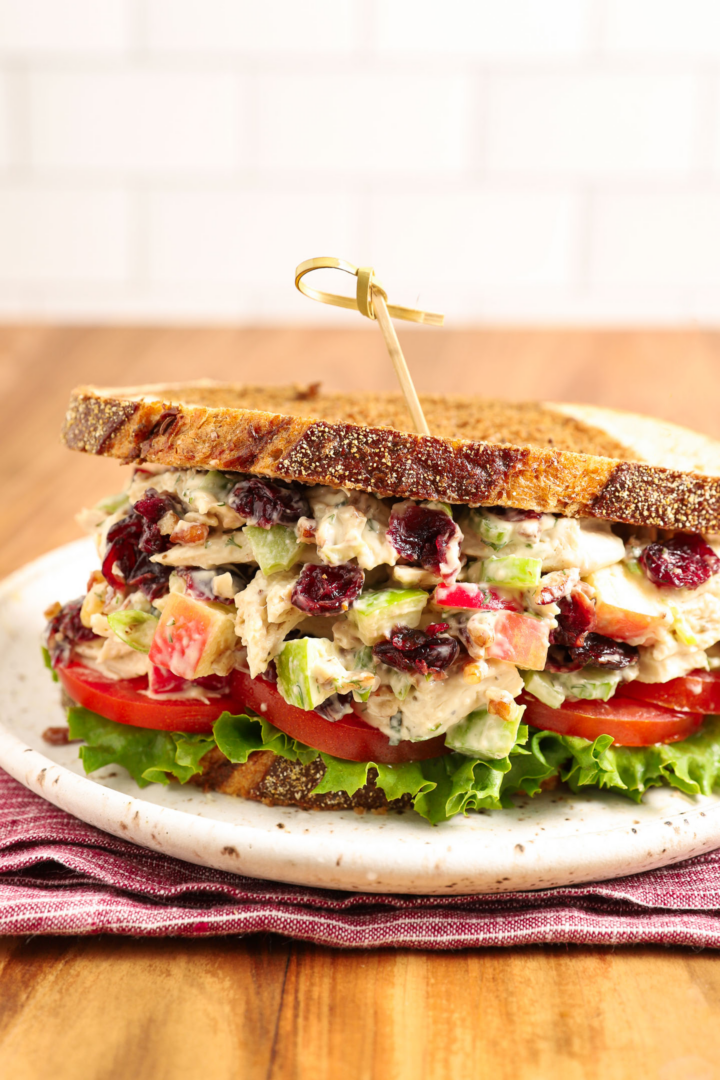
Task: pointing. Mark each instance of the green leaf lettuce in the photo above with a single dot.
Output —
(440, 787)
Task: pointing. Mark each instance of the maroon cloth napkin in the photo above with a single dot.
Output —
(60, 876)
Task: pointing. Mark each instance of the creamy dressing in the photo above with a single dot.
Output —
(265, 618)
(584, 544)
(219, 549)
(351, 527)
(436, 704)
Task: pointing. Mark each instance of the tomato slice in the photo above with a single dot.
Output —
(350, 737)
(124, 703)
(631, 723)
(697, 692)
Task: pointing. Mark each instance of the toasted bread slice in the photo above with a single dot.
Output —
(275, 781)
(567, 459)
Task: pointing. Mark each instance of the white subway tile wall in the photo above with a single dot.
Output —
(511, 161)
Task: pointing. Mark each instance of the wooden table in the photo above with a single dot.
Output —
(262, 1007)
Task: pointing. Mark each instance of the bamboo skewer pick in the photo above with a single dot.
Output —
(371, 301)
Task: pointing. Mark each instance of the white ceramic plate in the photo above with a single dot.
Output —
(554, 839)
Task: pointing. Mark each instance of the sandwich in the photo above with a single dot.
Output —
(300, 601)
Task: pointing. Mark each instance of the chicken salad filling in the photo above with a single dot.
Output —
(424, 619)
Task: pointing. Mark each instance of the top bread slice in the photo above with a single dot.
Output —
(576, 460)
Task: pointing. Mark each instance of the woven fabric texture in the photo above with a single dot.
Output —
(60, 876)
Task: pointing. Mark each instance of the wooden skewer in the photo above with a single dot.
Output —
(399, 363)
(371, 301)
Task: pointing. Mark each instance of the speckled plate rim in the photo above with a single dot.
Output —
(557, 839)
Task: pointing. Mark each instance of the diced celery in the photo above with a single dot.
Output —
(364, 661)
(493, 531)
(544, 688)
(309, 671)
(483, 734)
(294, 665)
(515, 571)
(400, 684)
(683, 631)
(112, 503)
(135, 628)
(48, 663)
(445, 508)
(376, 613)
(588, 684)
(274, 549)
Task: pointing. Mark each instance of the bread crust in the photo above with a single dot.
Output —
(275, 781)
(156, 425)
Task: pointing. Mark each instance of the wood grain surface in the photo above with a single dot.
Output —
(116, 1008)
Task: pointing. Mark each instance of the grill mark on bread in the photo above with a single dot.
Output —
(91, 422)
(399, 464)
(662, 497)
(341, 452)
(255, 441)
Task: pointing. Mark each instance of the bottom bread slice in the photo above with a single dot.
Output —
(276, 781)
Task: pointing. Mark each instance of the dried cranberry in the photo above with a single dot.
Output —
(153, 506)
(335, 707)
(601, 651)
(327, 590)
(576, 619)
(596, 651)
(65, 630)
(266, 504)
(422, 535)
(121, 549)
(437, 628)
(415, 651)
(509, 514)
(560, 660)
(150, 578)
(684, 562)
(132, 540)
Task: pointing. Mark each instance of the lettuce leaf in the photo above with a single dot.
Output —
(440, 787)
(240, 736)
(147, 755)
(48, 663)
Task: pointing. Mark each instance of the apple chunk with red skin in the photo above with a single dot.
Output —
(628, 607)
(519, 639)
(463, 596)
(191, 635)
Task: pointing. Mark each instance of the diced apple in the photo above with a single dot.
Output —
(627, 607)
(191, 635)
(466, 597)
(462, 596)
(520, 639)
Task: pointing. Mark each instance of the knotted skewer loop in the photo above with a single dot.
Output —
(371, 301)
(367, 284)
